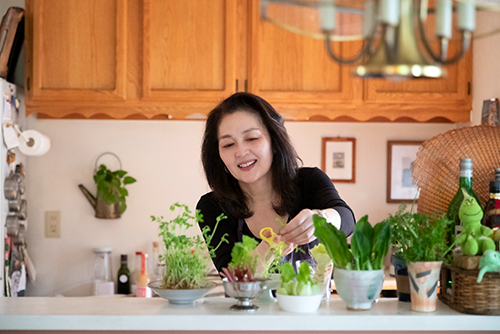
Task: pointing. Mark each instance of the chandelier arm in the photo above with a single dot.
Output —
(439, 58)
(338, 59)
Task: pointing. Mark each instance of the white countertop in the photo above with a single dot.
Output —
(129, 313)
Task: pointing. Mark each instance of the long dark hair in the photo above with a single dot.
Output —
(283, 168)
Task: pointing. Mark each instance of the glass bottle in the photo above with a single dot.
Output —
(465, 182)
(135, 273)
(123, 281)
(142, 282)
(102, 281)
(155, 263)
(491, 216)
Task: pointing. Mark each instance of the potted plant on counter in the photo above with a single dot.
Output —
(397, 222)
(422, 244)
(358, 273)
(186, 259)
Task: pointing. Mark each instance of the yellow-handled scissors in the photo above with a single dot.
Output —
(269, 240)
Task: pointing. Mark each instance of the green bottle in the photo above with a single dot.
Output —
(123, 277)
(466, 183)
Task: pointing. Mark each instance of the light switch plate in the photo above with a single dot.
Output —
(52, 224)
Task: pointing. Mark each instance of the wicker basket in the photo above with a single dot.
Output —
(436, 169)
(466, 262)
(468, 296)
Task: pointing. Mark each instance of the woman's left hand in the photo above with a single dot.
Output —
(300, 230)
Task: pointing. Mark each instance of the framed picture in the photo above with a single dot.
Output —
(338, 159)
(400, 158)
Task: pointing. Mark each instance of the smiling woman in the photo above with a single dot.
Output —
(253, 170)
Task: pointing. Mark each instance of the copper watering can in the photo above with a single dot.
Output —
(103, 210)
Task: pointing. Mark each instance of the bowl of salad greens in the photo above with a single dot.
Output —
(298, 292)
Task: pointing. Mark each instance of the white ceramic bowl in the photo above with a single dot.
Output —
(358, 288)
(180, 296)
(299, 304)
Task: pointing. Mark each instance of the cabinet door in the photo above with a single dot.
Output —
(289, 68)
(448, 98)
(188, 52)
(78, 50)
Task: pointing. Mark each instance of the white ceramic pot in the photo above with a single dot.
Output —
(424, 277)
(299, 304)
(358, 288)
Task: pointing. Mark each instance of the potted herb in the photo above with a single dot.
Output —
(109, 203)
(397, 222)
(186, 259)
(422, 244)
(359, 273)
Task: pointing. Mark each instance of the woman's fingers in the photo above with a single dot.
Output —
(300, 230)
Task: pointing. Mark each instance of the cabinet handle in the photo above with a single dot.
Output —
(246, 86)
(468, 88)
(236, 85)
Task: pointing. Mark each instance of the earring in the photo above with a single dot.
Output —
(225, 168)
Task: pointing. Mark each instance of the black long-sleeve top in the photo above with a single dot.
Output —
(316, 192)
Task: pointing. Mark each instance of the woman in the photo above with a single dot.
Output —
(252, 168)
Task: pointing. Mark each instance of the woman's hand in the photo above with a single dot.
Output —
(300, 230)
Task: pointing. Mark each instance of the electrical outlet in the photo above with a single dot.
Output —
(52, 224)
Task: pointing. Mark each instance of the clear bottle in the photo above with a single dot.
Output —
(142, 282)
(465, 182)
(123, 277)
(155, 263)
(135, 273)
(102, 280)
(491, 217)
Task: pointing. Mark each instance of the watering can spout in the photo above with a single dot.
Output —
(91, 198)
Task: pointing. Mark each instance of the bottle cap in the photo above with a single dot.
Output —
(123, 258)
(497, 174)
(494, 187)
(465, 164)
(102, 250)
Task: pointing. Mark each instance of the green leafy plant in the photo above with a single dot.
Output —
(243, 262)
(300, 284)
(111, 186)
(186, 259)
(369, 245)
(419, 237)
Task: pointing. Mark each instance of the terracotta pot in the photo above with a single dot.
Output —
(424, 277)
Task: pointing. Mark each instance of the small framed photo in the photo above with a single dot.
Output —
(338, 159)
(490, 115)
(400, 158)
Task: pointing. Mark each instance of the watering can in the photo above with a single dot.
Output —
(102, 209)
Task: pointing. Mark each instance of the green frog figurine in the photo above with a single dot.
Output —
(474, 237)
(490, 262)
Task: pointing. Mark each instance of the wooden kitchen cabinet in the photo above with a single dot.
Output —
(153, 59)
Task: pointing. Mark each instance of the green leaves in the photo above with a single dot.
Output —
(109, 186)
(369, 245)
(185, 258)
(299, 284)
(419, 237)
(334, 240)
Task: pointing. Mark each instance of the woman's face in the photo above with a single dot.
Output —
(245, 147)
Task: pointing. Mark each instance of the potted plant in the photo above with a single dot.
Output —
(240, 281)
(109, 203)
(358, 273)
(400, 268)
(422, 244)
(186, 259)
(298, 292)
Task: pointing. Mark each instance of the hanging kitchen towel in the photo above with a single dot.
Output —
(32, 142)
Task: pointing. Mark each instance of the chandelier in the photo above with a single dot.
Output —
(401, 39)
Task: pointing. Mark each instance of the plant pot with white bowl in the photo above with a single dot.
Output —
(358, 272)
(186, 259)
(298, 293)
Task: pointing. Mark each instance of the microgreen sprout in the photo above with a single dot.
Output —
(186, 259)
